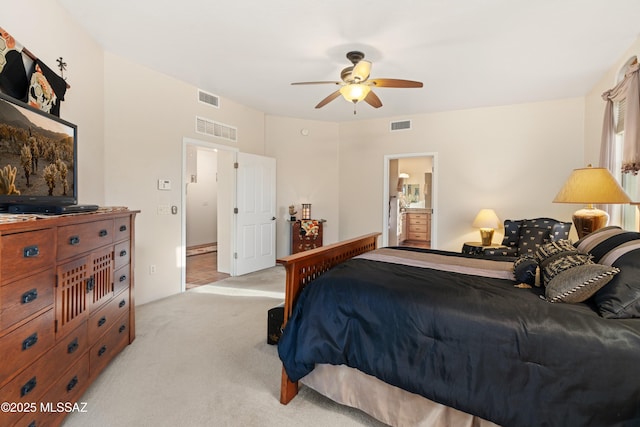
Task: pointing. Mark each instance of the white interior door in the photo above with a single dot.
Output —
(256, 213)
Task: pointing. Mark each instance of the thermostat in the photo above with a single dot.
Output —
(164, 184)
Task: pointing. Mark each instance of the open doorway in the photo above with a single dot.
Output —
(206, 196)
(409, 200)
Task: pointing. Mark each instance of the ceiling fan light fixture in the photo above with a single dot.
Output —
(355, 92)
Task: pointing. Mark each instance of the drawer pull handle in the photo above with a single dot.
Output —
(102, 350)
(123, 278)
(72, 383)
(74, 240)
(30, 341)
(28, 387)
(73, 346)
(91, 283)
(102, 321)
(122, 304)
(32, 424)
(121, 329)
(31, 251)
(29, 296)
(123, 228)
(123, 253)
(102, 233)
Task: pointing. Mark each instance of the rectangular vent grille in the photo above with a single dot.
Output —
(219, 130)
(208, 98)
(402, 125)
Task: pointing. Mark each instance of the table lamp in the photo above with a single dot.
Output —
(486, 221)
(591, 186)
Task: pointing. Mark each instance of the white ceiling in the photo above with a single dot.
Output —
(468, 53)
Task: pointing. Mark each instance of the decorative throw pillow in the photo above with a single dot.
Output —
(560, 231)
(579, 282)
(557, 265)
(531, 237)
(554, 249)
(524, 269)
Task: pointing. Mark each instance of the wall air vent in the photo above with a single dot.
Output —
(401, 125)
(208, 98)
(219, 130)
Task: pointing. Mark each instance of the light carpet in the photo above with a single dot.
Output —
(200, 358)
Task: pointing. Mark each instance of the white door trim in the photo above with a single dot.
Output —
(183, 204)
(385, 198)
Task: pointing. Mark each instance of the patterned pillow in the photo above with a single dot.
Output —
(511, 233)
(560, 231)
(530, 238)
(612, 246)
(559, 264)
(551, 249)
(525, 268)
(579, 282)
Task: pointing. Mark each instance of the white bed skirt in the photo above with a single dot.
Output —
(385, 402)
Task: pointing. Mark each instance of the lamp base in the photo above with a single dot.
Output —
(588, 220)
(486, 235)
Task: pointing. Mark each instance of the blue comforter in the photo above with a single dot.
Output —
(474, 343)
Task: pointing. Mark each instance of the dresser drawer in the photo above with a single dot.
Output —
(103, 319)
(109, 345)
(121, 254)
(122, 229)
(80, 238)
(121, 279)
(24, 253)
(417, 236)
(65, 391)
(24, 297)
(415, 219)
(417, 228)
(24, 345)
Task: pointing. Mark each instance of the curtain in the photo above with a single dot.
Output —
(628, 90)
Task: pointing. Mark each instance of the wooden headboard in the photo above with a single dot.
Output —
(302, 268)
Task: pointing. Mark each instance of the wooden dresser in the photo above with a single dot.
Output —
(66, 309)
(418, 226)
(306, 234)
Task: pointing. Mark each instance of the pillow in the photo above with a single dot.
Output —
(524, 269)
(579, 282)
(560, 231)
(554, 249)
(557, 265)
(620, 299)
(511, 233)
(531, 237)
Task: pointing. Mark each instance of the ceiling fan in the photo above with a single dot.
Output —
(356, 85)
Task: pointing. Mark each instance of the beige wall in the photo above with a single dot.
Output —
(512, 159)
(307, 173)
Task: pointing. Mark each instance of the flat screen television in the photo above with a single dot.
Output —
(38, 157)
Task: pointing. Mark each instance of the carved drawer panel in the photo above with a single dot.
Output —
(81, 238)
(26, 344)
(24, 253)
(24, 297)
(121, 279)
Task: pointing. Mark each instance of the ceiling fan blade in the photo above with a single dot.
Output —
(395, 83)
(328, 99)
(373, 100)
(315, 83)
(361, 71)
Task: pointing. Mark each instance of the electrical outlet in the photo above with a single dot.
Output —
(152, 269)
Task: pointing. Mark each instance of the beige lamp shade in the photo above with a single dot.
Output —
(486, 221)
(591, 186)
(355, 92)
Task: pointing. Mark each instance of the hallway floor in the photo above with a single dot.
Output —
(203, 269)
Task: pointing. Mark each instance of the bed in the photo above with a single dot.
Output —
(441, 338)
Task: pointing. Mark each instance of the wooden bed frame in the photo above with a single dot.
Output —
(302, 268)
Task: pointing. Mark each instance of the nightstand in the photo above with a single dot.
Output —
(477, 248)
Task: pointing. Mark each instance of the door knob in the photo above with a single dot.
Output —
(273, 218)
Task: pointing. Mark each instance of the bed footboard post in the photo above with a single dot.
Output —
(303, 267)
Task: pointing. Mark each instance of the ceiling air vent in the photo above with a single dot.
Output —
(402, 125)
(219, 130)
(208, 98)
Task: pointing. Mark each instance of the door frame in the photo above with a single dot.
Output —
(183, 203)
(434, 201)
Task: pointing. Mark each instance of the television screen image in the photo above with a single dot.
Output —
(37, 156)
